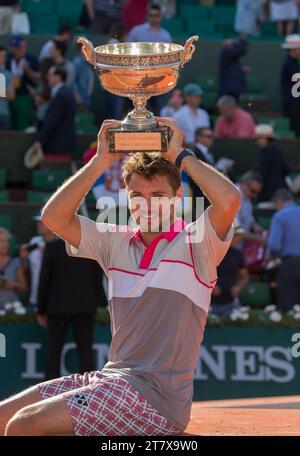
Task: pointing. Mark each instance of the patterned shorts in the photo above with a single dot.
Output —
(101, 405)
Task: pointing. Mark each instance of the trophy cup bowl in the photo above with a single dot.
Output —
(138, 71)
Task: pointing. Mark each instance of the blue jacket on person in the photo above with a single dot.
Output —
(58, 134)
(232, 78)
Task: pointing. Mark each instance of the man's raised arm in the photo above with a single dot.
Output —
(59, 213)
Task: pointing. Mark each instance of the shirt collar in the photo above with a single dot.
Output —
(169, 235)
(56, 89)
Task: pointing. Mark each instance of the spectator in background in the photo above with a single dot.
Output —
(22, 65)
(190, 117)
(232, 77)
(103, 14)
(7, 9)
(272, 165)
(134, 13)
(175, 102)
(285, 13)
(151, 30)
(249, 14)
(57, 135)
(84, 79)
(290, 67)
(232, 278)
(12, 279)
(64, 36)
(70, 290)
(250, 186)
(31, 256)
(234, 122)
(284, 242)
(58, 54)
(9, 92)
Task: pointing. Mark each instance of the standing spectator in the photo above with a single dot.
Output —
(175, 102)
(64, 35)
(103, 14)
(7, 9)
(22, 65)
(69, 292)
(58, 54)
(291, 66)
(57, 135)
(134, 13)
(84, 79)
(151, 30)
(12, 279)
(9, 92)
(234, 122)
(272, 165)
(284, 242)
(285, 13)
(249, 14)
(232, 278)
(31, 256)
(232, 77)
(190, 117)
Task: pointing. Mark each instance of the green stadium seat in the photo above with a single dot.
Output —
(38, 197)
(285, 134)
(208, 83)
(44, 25)
(22, 112)
(38, 6)
(2, 178)
(194, 11)
(212, 36)
(201, 27)
(256, 294)
(4, 197)
(6, 221)
(85, 122)
(278, 123)
(209, 100)
(255, 83)
(223, 14)
(174, 25)
(264, 221)
(269, 29)
(45, 180)
(225, 27)
(254, 96)
(69, 11)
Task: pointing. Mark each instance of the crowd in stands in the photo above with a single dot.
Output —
(57, 88)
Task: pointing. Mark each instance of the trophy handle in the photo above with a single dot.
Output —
(188, 50)
(87, 50)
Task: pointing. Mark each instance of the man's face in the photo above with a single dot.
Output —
(227, 112)
(206, 137)
(193, 100)
(2, 57)
(262, 141)
(53, 79)
(252, 188)
(154, 17)
(20, 50)
(152, 202)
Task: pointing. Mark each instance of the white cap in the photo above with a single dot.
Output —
(265, 130)
(292, 41)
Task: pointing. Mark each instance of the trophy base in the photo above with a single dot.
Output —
(152, 140)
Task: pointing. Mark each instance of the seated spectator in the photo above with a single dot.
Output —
(232, 76)
(190, 117)
(290, 67)
(272, 165)
(42, 93)
(57, 136)
(22, 65)
(7, 9)
(284, 243)
(84, 79)
(64, 35)
(151, 30)
(174, 103)
(9, 92)
(234, 122)
(103, 14)
(232, 278)
(285, 13)
(58, 55)
(12, 279)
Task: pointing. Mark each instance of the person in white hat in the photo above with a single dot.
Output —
(289, 71)
(272, 165)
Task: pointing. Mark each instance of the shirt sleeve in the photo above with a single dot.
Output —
(95, 242)
(276, 236)
(207, 249)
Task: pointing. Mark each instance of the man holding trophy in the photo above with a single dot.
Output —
(160, 276)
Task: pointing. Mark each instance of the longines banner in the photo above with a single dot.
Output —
(234, 362)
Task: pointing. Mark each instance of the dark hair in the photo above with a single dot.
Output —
(199, 131)
(60, 71)
(60, 46)
(64, 29)
(282, 194)
(150, 164)
(251, 176)
(154, 6)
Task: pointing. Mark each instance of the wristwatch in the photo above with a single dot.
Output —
(184, 153)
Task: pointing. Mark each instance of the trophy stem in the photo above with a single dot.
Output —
(139, 118)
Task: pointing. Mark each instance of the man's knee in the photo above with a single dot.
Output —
(24, 422)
